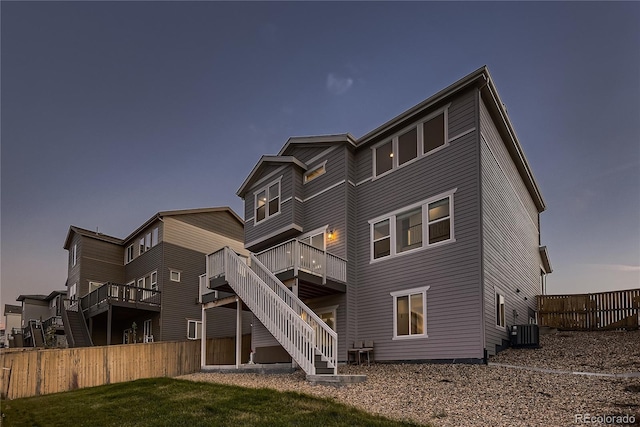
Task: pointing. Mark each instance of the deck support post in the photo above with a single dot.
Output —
(203, 339)
(109, 318)
(238, 332)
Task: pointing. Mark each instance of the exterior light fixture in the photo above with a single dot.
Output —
(331, 234)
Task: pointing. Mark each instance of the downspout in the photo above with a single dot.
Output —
(483, 323)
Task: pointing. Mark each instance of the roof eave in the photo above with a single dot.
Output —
(521, 163)
(319, 139)
(267, 159)
(465, 82)
(544, 257)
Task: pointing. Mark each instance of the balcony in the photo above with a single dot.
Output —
(319, 272)
(113, 294)
(55, 321)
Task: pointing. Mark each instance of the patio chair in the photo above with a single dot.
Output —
(367, 349)
(355, 351)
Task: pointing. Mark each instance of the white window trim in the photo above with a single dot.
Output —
(189, 321)
(73, 292)
(154, 285)
(423, 290)
(178, 272)
(265, 188)
(321, 230)
(496, 292)
(425, 227)
(419, 141)
(306, 175)
(128, 259)
(74, 255)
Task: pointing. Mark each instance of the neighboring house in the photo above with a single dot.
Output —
(39, 312)
(145, 287)
(422, 236)
(13, 325)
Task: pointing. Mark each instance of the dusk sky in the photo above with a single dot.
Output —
(113, 111)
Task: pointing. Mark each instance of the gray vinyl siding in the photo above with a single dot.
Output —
(34, 310)
(260, 336)
(510, 238)
(180, 299)
(453, 270)
(221, 322)
(324, 205)
(98, 261)
(306, 154)
(350, 317)
(144, 265)
(285, 218)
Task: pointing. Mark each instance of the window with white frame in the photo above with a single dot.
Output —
(410, 313)
(147, 241)
(500, 310)
(94, 285)
(315, 172)
(315, 238)
(154, 237)
(411, 143)
(174, 275)
(154, 281)
(128, 254)
(403, 231)
(141, 246)
(267, 201)
(74, 255)
(194, 329)
(73, 292)
(147, 331)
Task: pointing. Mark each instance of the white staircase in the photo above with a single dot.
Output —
(308, 339)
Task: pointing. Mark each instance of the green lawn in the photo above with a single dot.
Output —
(171, 402)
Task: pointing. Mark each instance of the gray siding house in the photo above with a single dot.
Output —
(422, 236)
(150, 278)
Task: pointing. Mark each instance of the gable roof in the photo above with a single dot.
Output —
(318, 141)
(12, 309)
(266, 160)
(159, 215)
(37, 297)
(164, 214)
(88, 233)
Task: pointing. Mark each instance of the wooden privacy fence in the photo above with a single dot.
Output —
(37, 372)
(590, 312)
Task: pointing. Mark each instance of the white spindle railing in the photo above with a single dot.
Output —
(265, 301)
(296, 255)
(326, 339)
(215, 264)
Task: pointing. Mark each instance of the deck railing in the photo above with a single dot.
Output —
(296, 327)
(122, 293)
(298, 256)
(55, 321)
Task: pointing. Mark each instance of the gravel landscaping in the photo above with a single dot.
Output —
(480, 395)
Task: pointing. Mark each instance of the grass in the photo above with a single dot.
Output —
(171, 402)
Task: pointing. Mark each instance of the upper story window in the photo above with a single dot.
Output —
(403, 231)
(74, 255)
(147, 241)
(73, 292)
(174, 275)
(315, 172)
(411, 143)
(128, 256)
(267, 201)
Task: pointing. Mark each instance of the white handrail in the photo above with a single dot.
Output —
(326, 339)
(292, 332)
(296, 255)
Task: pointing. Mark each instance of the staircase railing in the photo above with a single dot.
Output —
(326, 339)
(273, 304)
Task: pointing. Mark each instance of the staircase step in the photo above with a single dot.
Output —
(320, 371)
